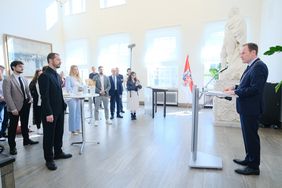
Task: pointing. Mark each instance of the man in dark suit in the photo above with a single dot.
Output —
(18, 100)
(115, 92)
(249, 107)
(120, 96)
(53, 107)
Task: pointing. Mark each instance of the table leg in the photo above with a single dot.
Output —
(153, 104)
(82, 142)
(156, 102)
(164, 103)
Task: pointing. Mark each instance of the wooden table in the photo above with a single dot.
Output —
(155, 92)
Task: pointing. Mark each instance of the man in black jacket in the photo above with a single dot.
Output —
(53, 107)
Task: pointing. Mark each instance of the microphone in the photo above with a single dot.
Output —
(131, 45)
(223, 69)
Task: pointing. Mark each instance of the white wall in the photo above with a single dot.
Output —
(271, 35)
(27, 19)
(136, 17)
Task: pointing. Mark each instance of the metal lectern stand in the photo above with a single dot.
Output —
(199, 159)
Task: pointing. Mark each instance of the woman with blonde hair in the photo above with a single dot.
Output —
(73, 85)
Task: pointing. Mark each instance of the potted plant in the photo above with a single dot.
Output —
(272, 50)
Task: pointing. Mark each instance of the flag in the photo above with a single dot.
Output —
(187, 76)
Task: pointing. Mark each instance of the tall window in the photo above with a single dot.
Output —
(51, 14)
(210, 55)
(74, 7)
(111, 3)
(76, 54)
(113, 52)
(162, 55)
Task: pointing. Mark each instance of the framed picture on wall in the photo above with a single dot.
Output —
(31, 52)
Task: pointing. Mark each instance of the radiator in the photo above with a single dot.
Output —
(171, 98)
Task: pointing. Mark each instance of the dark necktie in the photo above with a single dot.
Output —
(22, 87)
(243, 75)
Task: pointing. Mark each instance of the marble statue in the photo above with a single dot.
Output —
(234, 37)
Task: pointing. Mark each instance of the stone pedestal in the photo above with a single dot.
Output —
(225, 113)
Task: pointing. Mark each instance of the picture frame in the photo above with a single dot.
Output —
(31, 52)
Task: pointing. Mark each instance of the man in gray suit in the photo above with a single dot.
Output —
(102, 88)
(18, 98)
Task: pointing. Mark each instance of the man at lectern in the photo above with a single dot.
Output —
(249, 106)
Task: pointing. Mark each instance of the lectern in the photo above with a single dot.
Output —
(200, 159)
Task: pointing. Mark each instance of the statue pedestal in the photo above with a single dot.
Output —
(224, 111)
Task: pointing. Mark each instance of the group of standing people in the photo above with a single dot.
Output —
(46, 95)
(45, 92)
(112, 87)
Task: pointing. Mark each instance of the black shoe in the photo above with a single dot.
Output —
(112, 117)
(240, 162)
(132, 116)
(63, 156)
(247, 171)
(122, 111)
(119, 116)
(30, 142)
(13, 151)
(51, 165)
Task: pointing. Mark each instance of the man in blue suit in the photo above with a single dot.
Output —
(120, 97)
(249, 107)
(115, 92)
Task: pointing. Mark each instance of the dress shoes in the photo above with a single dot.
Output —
(248, 171)
(30, 142)
(122, 111)
(240, 162)
(62, 156)
(112, 117)
(13, 151)
(51, 165)
(119, 116)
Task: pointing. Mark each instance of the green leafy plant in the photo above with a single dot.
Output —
(214, 72)
(271, 51)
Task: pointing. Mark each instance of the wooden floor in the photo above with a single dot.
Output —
(150, 153)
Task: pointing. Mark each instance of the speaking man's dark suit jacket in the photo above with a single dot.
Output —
(249, 106)
(251, 88)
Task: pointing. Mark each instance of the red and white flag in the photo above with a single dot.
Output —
(187, 75)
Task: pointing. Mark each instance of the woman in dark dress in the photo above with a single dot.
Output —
(34, 90)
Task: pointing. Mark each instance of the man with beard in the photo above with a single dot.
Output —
(53, 107)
